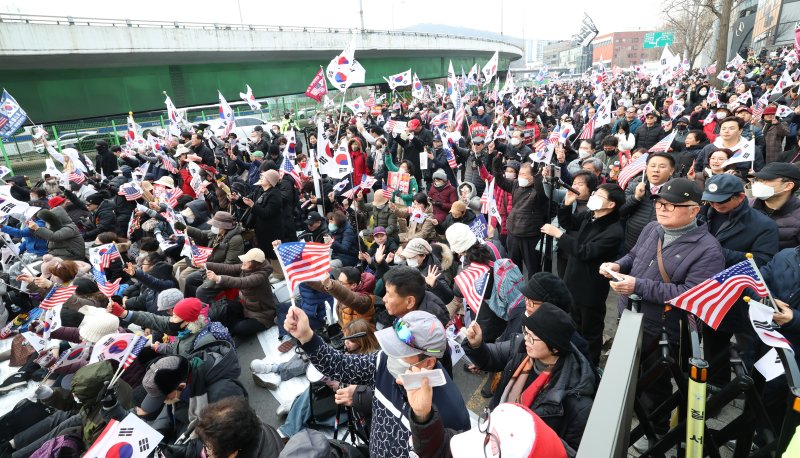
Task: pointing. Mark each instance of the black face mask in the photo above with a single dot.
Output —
(174, 328)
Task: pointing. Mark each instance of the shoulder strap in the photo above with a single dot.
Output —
(661, 269)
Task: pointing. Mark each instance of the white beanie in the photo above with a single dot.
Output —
(460, 237)
(96, 325)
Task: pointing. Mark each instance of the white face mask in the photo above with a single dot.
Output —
(396, 366)
(762, 191)
(515, 141)
(523, 182)
(721, 115)
(510, 176)
(583, 154)
(214, 230)
(594, 203)
(412, 262)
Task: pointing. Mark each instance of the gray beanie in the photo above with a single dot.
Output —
(168, 298)
(439, 173)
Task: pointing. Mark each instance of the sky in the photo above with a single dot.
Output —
(519, 18)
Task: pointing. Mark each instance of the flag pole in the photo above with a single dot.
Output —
(752, 262)
(121, 368)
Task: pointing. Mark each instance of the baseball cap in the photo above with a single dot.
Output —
(413, 124)
(255, 254)
(414, 333)
(379, 230)
(743, 108)
(679, 190)
(513, 429)
(313, 217)
(721, 187)
(775, 170)
(162, 378)
(770, 110)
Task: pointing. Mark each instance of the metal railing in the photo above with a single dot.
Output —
(608, 428)
(100, 22)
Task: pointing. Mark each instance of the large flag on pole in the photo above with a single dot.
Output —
(711, 299)
(317, 88)
(490, 69)
(417, 91)
(344, 70)
(250, 99)
(226, 115)
(400, 79)
(304, 261)
(452, 82)
(12, 116)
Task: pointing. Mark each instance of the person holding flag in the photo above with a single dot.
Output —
(267, 215)
(655, 170)
(685, 255)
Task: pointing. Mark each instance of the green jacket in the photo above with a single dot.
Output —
(86, 386)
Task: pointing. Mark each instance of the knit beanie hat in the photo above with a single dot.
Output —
(553, 326)
(168, 298)
(460, 237)
(547, 287)
(97, 324)
(188, 309)
(440, 174)
(416, 247)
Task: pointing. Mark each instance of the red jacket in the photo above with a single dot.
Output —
(359, 161)
(709, 130)
(445, 197)
(186, 187)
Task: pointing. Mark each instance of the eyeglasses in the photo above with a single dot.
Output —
(669, 206)
(594, 193)
(485, 427)
(531, 339)
(403, 332)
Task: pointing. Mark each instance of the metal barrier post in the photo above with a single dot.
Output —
(696, 408)
(161, 118)
(5, 156)
(114, 128)
(607, 431)
(203, 114)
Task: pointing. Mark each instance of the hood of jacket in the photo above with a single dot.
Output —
(445, 256)
(200, 210)
(472, 190)
(63, 217)
(88, 382)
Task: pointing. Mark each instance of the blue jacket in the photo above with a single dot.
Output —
(313, 302)
(782, 276)
(345, 245)
(30, 243)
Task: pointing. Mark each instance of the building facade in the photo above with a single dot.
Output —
(623, 49)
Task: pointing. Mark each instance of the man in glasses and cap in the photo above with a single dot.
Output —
(671, 255)
(417, 339)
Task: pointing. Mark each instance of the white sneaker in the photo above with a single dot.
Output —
(269, 381)
(260, 366)
(642, 445)
(284, 408)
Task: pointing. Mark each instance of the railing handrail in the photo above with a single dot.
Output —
(144, 23)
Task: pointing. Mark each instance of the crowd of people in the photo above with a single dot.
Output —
(558, 234)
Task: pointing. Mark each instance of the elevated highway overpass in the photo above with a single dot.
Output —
(62, 68)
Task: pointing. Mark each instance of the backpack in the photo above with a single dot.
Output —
(60, 447)
(218, 330)
(506, 300)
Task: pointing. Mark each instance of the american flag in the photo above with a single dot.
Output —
(472, 283)
(678, 71)
(199, 254)
(108, 289)
(169, 166)
(712, 299)
(304, 261)
(664, 144)
(387, 190)
(539, 145)
(485, 200)
(389, 126)
(370, 102)
(554, 135)
(57, 296)
(631, 170)
(441, 118)
(141, 341)
(130, 191)
(172, 196)
(76, 176)
(288, 168)
(108, 255)
(587, 132)
(451, 158)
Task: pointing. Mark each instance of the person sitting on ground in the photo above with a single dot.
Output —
(418, 254)
(230, 427)
(154, 276)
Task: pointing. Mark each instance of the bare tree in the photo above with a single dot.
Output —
(693, 25)
(722, 10)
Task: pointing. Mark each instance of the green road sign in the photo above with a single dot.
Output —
(658, 39)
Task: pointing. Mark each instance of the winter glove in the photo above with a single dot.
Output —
(117, 310)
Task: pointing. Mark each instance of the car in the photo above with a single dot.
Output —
(86, 143)
(244, 126)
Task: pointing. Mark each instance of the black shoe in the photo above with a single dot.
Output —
(15, 380)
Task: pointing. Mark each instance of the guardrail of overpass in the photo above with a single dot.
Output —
(99, 22)
(608, 429)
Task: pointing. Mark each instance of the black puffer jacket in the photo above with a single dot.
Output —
(788, 219)
(529, 203)
(564, 403)
(104, 220)
(638, 213)
(646, 136)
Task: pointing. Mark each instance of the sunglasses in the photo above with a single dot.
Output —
(403, 332)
